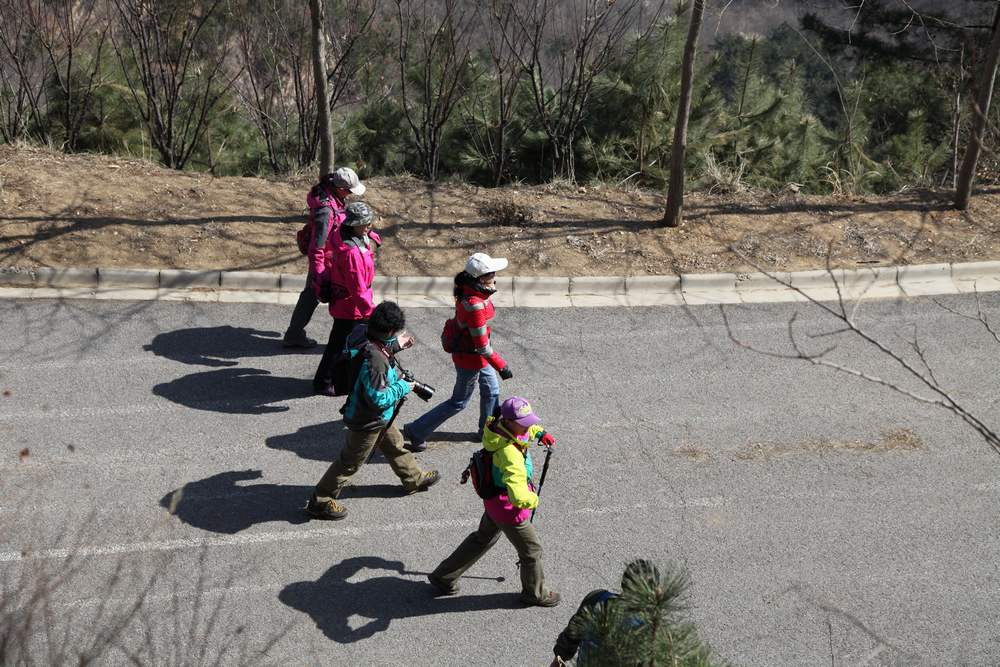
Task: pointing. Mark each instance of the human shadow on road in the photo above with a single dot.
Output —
(247, 391)
(332, 600)
(220, 505)
(219, 346)
(317, 442)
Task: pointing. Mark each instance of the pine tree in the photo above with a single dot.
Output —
(647, 625)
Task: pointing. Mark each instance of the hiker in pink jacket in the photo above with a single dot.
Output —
(326, 201)
(352, 271)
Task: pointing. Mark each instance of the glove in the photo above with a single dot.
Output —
(545, 439)
(505, 373)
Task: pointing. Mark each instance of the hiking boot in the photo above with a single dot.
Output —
(301, 341)
(416, 444)
(551, 599)
(325, 509)
(426, 481)
(441, 586)
(321, 389)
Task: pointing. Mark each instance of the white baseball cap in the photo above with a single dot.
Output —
(345, 177)
(480, 264)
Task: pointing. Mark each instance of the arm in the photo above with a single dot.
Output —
(378, 390)
(474, 316)
(510, 462)
(569, 639)
(321, 216)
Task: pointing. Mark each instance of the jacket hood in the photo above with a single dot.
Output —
(493, 441)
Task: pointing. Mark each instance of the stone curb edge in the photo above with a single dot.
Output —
(523, 291)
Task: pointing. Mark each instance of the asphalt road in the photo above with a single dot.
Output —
(823, 520)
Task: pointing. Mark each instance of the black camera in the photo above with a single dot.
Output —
(424, 391)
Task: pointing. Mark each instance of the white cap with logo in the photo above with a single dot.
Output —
(345, 177)
(480, 264)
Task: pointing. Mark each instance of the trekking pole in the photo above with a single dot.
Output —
(381, 435)
(541, 480)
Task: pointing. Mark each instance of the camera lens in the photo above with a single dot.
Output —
(424, 391)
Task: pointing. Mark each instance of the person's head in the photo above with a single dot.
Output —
(386, 322)
(359, 218)
(480, 273)
(640, 574)
(517, 415)
(344, 181)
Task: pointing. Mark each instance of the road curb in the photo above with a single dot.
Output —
(520, 291)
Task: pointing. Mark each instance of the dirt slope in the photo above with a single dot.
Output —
(85, 210)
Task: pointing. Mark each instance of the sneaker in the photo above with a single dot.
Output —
(302, 341)
(427, 480)
(551, 599)
(415, 444)
(325, 509)
(441, 586)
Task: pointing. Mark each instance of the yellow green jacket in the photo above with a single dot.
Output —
(512, 469)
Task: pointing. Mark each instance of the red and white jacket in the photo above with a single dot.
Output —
(474, 312)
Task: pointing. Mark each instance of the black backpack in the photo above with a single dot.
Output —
(480, 471)
(347, 364)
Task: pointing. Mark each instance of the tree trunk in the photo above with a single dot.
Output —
(675, 193)
(981, 109)
(322, 96)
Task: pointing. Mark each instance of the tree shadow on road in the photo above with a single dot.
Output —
(331, 601)
(219, 504)
(219, 346)
(250, 391)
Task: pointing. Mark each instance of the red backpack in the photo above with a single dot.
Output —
(304, 237)
(480, 471)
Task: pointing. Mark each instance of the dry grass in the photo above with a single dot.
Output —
(91, 210)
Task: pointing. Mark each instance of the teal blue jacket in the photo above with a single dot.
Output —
(376, 391)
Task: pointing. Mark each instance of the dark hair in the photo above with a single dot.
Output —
(386, 319)
(463, 278)
(640, 573)
(325, 181)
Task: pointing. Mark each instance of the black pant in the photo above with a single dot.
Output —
(304, 309)
(338, 340)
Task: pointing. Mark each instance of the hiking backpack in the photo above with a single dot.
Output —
(453, 337)
(303, 237)
(347, 366)
(480, 471)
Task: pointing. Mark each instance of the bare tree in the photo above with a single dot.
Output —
(981, 109)
(675, 191)
(433, 55)
(915, 365)
(72, 35)
(172, 55)
(563, 47)
(318, 21)
(23, 104)
(488, 111)
(276, 88)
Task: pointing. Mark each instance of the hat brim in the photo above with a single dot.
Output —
(495, 264)
(527, 420)
(358, 189)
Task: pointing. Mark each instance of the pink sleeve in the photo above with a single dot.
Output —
(353, 275)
